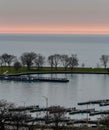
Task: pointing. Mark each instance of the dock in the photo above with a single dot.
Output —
(29, 78)
(104, 104)
(94, 102)
(77, 111)
(105, 112)
(83, 121)
(24, 108)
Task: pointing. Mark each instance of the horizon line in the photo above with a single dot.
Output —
(12, 33)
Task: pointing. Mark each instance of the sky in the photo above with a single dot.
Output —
(54, 16)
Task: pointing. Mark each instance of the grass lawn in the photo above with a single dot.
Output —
(11, 70)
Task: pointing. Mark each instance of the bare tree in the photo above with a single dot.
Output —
(104, 60)
(57, 116)
(27, 59)
(50, 61)
(14, 117)
(54, 60)
(19, 119)
(1, 61)
(105, 121)
(65, 61)
(7, 59)
(4, 57)
(73, 61)
(39, 61)
(4, 113)
(10, 59)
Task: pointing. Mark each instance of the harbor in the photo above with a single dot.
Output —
(52, 117)
(64, 96)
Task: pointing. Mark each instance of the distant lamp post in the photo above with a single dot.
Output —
(46, 99)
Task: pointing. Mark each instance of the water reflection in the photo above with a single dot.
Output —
(81, 87)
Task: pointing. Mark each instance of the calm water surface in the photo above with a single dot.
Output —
(82, 87)
(88, 48)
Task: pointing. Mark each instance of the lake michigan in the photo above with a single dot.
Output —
(88, 48)
(81, 87)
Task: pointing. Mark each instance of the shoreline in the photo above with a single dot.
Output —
(30, 73)
(47, 70)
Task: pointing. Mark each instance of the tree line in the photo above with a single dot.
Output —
(32, 59)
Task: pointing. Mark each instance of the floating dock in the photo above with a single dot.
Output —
(82, 111)
(94, 102)
(24, 108)
(29, 78)
(106, 112)
(104, 104)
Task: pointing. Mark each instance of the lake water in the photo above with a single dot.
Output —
(88, 48)
(81, 87)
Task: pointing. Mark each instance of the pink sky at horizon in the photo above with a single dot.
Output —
(55, 30)
(54, 17)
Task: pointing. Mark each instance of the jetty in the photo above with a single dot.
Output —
(54, 117)
(82, 121)
(53, 109)
(77, 111)
(104, 104)
(28, 78)
(94, 102)
(24, 108)
(105, 112)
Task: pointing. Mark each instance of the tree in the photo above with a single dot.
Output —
(8, 59)
(56, 116)
(39, 61)
(50, 61)
(64, 60)
(73, 61)
(105, 121)
(54, 60)
(4, 113)
(17, 65)
(4, 57)
(104, 60)
(19, 119)
(12, 116)
(27, 59)
(1, 61)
